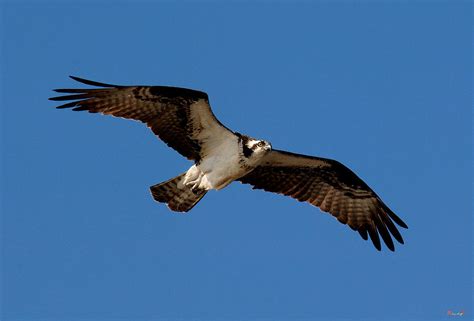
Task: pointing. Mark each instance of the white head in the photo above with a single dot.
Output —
(258, 146)
(254, 149)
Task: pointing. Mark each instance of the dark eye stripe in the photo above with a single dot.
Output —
(246, 151)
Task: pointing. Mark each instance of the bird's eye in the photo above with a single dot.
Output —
(261, 144)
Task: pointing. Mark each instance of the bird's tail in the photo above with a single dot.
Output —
(178, 197)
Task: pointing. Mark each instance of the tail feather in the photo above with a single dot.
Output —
(178, 197)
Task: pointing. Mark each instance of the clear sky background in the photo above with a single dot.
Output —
(384, 87)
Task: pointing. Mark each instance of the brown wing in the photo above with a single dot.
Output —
(333, 188)
(181, 117)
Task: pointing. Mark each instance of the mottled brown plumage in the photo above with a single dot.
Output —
(178, 200)
(183, 119)
(330, 186)
(168, 111)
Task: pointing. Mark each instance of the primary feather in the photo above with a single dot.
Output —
(183, 119)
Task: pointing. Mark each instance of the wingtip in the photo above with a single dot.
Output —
(91, 83)
(75, 78)
(393, 216)
(79, 79)
(377, 244)
(399, 221)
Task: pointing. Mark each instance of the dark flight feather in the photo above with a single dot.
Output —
(176, 115)
(183, 119)
(332, 187)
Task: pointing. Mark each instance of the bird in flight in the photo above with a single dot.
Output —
(183, 119)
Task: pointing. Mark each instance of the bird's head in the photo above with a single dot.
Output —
(254, 149)
(259, 146)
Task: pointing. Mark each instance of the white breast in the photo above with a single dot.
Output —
(219, 168)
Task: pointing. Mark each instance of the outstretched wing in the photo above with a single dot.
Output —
(181, 117)
(333, 188)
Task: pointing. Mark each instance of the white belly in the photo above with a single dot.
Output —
(218, 170)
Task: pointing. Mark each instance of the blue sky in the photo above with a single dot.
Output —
(384, 87)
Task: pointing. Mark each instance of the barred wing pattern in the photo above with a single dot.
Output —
(333, 188)
(181, 117)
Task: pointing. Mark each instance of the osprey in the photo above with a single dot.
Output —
(183, 119)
